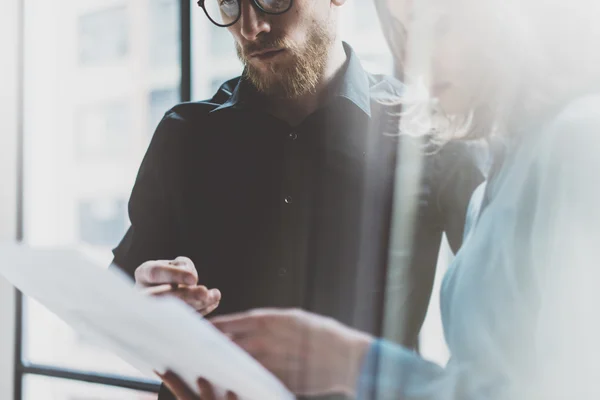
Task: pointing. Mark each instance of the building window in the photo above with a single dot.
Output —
(104, 36)
(164, 33)
(221, 42)
(102, 222)
(103, 130)
(160, 101)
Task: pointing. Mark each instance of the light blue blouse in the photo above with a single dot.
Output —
(520, 304)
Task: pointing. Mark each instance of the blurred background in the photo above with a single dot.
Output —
(83, 85)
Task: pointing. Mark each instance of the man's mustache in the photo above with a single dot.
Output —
(265, 44)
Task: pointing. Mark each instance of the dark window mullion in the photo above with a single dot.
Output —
(139, 384)
(18, 348)
(186, 49)
(18, 368)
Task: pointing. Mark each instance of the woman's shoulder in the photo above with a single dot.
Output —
(581, 109)
(565, 154)
(575, 131)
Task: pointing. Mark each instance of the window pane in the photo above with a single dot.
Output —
(103, 35)
(43, 388)
(164, 33)
(214, 60)
(103, 130)
(99, 75)
(361, 29)
(160, 100)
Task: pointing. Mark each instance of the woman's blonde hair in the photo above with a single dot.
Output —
(544, 53)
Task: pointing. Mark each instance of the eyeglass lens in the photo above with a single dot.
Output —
(226, 12)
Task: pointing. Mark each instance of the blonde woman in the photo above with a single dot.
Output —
(519, 305)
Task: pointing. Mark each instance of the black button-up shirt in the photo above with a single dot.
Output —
(282, 216)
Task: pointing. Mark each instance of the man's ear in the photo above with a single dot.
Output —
(340, 3)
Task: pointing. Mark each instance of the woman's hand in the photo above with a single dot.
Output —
(182, 392)
(310, 354)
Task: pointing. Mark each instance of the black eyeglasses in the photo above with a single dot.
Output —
(225, 13)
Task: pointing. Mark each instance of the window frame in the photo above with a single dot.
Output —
(22, 367)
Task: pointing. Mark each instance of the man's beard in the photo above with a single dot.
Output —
(300, 74)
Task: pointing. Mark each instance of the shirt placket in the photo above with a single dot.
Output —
(295, 219)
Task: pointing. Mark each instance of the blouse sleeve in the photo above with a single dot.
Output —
(566, 242)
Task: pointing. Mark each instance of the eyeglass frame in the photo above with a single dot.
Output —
(252, 2)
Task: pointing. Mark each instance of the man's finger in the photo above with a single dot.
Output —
(183, 262)
(215, 294)
(160, 290)
(178, 387)
(198, 297)
(186, 292)
(151, 274)
(209, 309)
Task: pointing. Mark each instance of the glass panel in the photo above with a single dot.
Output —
(43, 388)
(361, 29)
(164, 33)
(214, 60)
(103, 35)
(99, 75)
(159, 101)
(103, 130)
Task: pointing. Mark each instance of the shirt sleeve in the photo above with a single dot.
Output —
(153, 234)
(387, 368)
(392, 372)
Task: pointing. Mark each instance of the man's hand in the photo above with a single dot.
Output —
(310, 354)
(182, 392)
(177, 278)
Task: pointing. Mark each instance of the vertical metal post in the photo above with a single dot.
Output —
(186, 49)
(18, 355)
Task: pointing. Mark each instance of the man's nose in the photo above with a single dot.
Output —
(253, 21)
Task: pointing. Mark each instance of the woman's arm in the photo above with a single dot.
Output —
(566, 238)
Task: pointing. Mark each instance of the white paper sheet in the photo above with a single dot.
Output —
(150, 333)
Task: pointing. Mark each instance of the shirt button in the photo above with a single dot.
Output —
(282, 272)
(288, 200)
(293, 136)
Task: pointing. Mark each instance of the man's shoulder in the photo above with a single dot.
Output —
(195, 111)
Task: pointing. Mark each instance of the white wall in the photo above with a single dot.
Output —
(8, 145)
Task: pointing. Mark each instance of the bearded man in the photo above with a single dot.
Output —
(278, 191)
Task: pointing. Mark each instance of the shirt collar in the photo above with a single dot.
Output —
(236, 96)
(353, 85)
